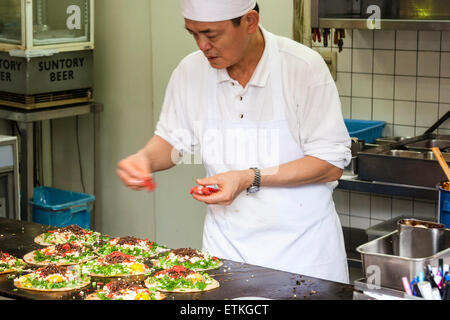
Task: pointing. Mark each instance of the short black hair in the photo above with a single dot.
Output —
(237, 21)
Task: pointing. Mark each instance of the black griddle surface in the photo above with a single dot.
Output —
(236, 279)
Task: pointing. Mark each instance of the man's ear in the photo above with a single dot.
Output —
(252, 21)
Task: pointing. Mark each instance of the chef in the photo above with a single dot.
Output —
(265, 114)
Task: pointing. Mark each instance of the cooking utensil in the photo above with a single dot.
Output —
(382, 254)
(438, 123)
(442, 162)
(419, 238)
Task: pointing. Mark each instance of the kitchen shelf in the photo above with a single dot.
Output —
(27, 120)
(387, 24)
(352, 183)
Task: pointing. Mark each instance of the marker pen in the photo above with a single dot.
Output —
(407, 286)
(421, 277)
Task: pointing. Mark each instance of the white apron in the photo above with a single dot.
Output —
(294, 229)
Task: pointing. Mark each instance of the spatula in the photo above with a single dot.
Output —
(442, 162)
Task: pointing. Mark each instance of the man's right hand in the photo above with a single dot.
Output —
(135, 170)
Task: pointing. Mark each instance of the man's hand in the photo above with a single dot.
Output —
(135, 171)
(230, 184)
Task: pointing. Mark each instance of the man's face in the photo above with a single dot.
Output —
(222, 43)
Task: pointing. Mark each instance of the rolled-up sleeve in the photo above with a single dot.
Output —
(174, 125)
(323, 133)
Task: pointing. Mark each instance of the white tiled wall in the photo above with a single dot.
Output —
(402, 78)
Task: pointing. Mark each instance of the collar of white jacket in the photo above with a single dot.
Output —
(215, 10)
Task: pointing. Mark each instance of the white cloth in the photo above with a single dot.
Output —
(215, 10)
(312, 100)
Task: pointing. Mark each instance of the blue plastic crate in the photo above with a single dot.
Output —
(60, 208)
(367, 130)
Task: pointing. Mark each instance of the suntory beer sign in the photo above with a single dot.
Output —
(63, 71)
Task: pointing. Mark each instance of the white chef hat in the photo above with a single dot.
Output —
(215, 10)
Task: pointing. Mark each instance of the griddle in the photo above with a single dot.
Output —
(236, 279)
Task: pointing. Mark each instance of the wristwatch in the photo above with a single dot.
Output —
(256, 181)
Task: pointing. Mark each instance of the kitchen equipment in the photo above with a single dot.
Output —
(389, 140)
(429, 144)
(357, 145)
(393, 163)
(419, 238)
(444, 204)
(383, 228)
(48, 81)
(368, 291)
(387, 14)
(43, 27)
(442, 162)
(366, 130)
(381, 260)
(406, 161)
(46, 52)
(61, 208)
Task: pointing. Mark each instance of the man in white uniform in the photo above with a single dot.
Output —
(266, 115)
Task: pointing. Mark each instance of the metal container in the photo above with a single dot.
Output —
(428, 144)
(382, 261)
(352, 168)
(390, 140)
(356, 147)
(392, 163)
(419, 238)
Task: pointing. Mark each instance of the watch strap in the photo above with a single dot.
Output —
(257, 178)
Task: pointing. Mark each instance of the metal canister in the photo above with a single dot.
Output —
(418, 239)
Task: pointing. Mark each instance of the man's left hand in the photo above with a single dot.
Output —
(230, 184)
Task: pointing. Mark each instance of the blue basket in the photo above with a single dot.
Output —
(60, 208)
(366, 130)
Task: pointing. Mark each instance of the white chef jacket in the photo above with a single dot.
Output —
(314, 108)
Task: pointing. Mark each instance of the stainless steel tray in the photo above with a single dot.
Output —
(382, 262)
(393, 164)
(426, 145)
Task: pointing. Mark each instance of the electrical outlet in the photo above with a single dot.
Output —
(3, 207)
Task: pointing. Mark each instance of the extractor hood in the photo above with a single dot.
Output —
(381, 14)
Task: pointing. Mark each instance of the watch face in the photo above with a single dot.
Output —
(253, 189)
